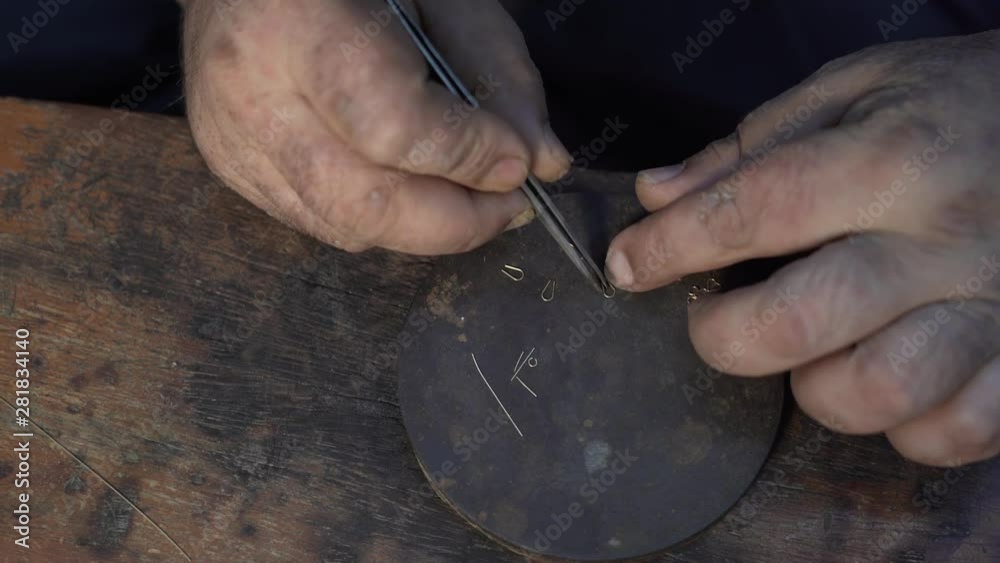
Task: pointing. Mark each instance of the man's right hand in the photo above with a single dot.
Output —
(321, 113)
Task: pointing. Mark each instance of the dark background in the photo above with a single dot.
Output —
(606, 59)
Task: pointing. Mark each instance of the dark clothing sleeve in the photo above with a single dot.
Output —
(678, 73)
(620, 58)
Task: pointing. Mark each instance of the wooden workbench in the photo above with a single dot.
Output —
(234, 381)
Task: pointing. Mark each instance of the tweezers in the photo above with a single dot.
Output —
(532, 188)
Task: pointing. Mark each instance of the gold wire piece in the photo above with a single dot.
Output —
(490, 387)
(532, 362)
(525, 385)
(507, 269)
(713, 285)
(609, 291)
(551, 292)
(519, 365)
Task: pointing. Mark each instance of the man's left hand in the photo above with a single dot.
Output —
(886, 161)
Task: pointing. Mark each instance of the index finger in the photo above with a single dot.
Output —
(378, 98)
(792, 198)
(338, 196)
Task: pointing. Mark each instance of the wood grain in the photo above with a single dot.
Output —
(236, 382)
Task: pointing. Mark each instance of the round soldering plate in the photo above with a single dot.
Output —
(582, 428)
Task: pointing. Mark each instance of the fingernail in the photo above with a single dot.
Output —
(509, 172)
(556, 148)
(618, 270)
(660, 175)
(522, 219)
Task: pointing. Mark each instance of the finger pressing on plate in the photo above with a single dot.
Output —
(801, 196)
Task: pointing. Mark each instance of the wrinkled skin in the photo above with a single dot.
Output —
(320, 112)
(886, 162)
(890, 326)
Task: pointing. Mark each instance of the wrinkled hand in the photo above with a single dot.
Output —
(886, 160)
(321, 113)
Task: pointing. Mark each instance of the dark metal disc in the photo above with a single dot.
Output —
(632, 443)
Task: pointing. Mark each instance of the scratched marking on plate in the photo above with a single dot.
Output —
(519, 365)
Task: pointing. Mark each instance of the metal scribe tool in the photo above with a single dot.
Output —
(532, 188)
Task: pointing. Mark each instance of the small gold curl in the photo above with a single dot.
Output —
(551, 292)
(507, 269)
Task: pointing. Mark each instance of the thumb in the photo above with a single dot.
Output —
(487, 50)
(377, 98)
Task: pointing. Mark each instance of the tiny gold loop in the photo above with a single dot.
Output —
(507, 269)
(551, 292)
(532, 362)
(713, 285)
(609, 291)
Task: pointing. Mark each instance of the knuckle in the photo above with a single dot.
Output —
(380, 133)
(307, 168)
(524, 75)
(785, 186)
(728, 215)
(767, 187)
(375, 124)
(758, 125)
(790, 328)
(723, 151)
(888, 395)
(365, 218)
(801, 307)
(905, 131)
(471, 156)
(223, 51)
(871, 63)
